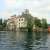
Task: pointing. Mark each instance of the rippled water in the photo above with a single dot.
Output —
(24, 41)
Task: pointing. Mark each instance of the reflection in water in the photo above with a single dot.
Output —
(23, 40)
(44, 38)
(12, 39)
(29, 41)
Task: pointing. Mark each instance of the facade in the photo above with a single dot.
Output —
(16, 22)
(21, 22)
(11, 23)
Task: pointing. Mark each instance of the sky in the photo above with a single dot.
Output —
(37, 8)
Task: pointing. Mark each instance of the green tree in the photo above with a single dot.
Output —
(29, 18)
(4, 23)
(37, 22)
(44, 23)
(0, 21)
(1, 24)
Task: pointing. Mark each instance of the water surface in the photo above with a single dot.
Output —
(24, 41)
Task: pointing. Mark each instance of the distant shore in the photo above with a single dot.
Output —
(34, 30)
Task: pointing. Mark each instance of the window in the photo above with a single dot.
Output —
(22, 19)
(19, 19)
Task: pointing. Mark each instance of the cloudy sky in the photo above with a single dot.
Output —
(38, 8)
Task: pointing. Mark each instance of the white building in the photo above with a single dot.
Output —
(21, 22)
(16, 22)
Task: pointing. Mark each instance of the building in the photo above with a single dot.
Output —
(21, 22)
(16, 22)
(11, 23)
(49, 29)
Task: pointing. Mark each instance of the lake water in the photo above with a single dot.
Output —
(24, 41)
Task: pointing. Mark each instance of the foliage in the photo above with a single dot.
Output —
(44, 23)
(2, 24)
(0, 21)
(34, 20)
(37, 22)
(29, 18)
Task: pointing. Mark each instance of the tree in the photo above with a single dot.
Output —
(0, 21)
(29, 18)
(4, 23)
(44, 23)
(1, 24)
(37, 22)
